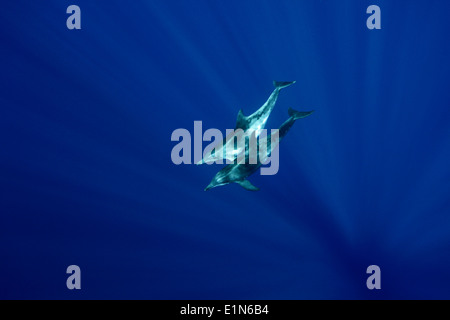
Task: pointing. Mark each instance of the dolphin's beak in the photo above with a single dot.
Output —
(210, 186)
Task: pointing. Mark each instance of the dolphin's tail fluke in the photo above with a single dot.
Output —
(297, 114)
(282, 84)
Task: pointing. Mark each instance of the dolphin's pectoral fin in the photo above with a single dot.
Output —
(247, 185)
(241, 121)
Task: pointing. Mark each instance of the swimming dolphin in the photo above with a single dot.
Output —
(255, 121)
(239, 172)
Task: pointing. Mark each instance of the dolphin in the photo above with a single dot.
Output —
(255, 122)
(239, 172)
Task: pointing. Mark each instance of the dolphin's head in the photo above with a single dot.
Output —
(220, 179)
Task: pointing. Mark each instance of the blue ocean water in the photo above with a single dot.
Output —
(86, 119)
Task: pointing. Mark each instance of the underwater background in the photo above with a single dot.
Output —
(86, 177)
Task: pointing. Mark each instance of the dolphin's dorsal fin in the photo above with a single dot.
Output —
(241, 120)
(247, 185)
